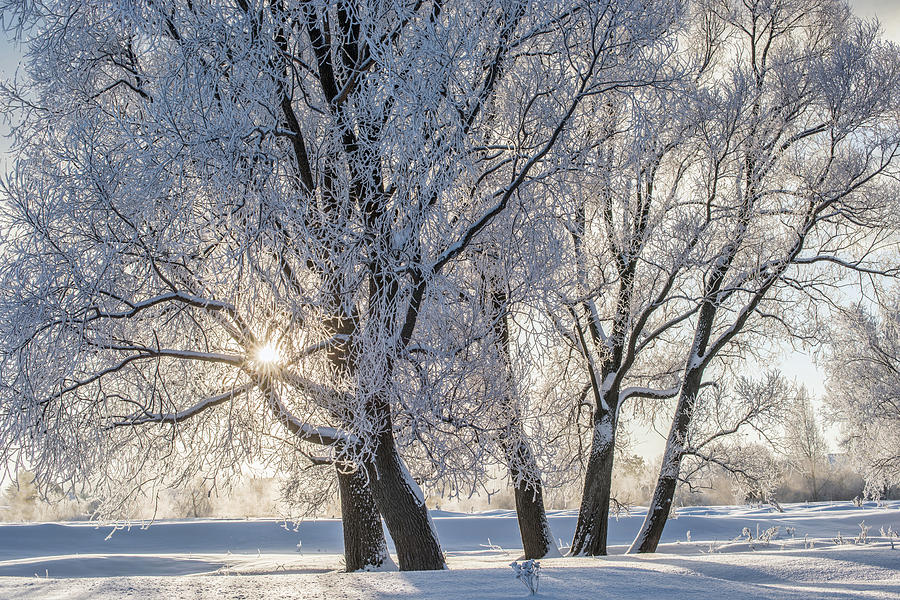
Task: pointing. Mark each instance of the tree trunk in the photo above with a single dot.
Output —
(661, 505)
(364, 545)
(593, 516)
(402, 503)
(537, 539)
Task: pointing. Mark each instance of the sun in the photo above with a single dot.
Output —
(267, 356)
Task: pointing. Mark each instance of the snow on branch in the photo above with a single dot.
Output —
(144, 353)
(855, 265)
(649, 393)
(94, 313)
(173, 418)
(324, 436)
(506, 193)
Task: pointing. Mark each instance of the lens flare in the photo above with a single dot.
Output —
(267, 355)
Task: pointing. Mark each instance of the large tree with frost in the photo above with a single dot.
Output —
(626, 254)
(225, 219)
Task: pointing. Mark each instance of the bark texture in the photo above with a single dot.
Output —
(403, 506)
(651, 531)
(364, 543)
(537, 539)
(593, 516)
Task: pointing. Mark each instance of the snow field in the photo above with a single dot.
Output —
(258, 559)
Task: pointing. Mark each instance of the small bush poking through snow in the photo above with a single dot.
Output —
(890, 534)
(529, 573)
(763, 538)
(494, 547)
(768, 535)
(863, 537)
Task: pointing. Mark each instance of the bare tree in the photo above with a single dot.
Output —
(731, 419)
(520, 459)
(805, 446)
(629, 250)
(627, 264)
(802, 133)
(863, 391)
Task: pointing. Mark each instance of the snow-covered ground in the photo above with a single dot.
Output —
(705, 553)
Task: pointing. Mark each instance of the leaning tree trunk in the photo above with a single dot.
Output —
(364, 545)
(402, 504)
(661, 505)
(593, 516)
(534, 528)
(537, 539)
(651, 531)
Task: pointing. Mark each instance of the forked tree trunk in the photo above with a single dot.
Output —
(364, 545)
(593, 516)
(402, 503)
(651, 531)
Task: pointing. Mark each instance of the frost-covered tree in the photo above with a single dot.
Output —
(20, 498)
(804, 444)
(864, 392)
(226, 219)
(627, 258)
(513, 441)
(800, 144)
(483, 403)
(728, 417)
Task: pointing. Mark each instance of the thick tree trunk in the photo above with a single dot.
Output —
(402, 503)
(661, 504)
(593, 516)
(364, 545)
(537, 539)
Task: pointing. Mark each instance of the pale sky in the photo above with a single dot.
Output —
(886, 11)
(9, 59)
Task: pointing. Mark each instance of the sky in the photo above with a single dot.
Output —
(794, 364)
(886, 11)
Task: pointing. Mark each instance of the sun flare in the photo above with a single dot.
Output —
(267, 355)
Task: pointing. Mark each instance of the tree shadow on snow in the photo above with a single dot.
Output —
(777, 579)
